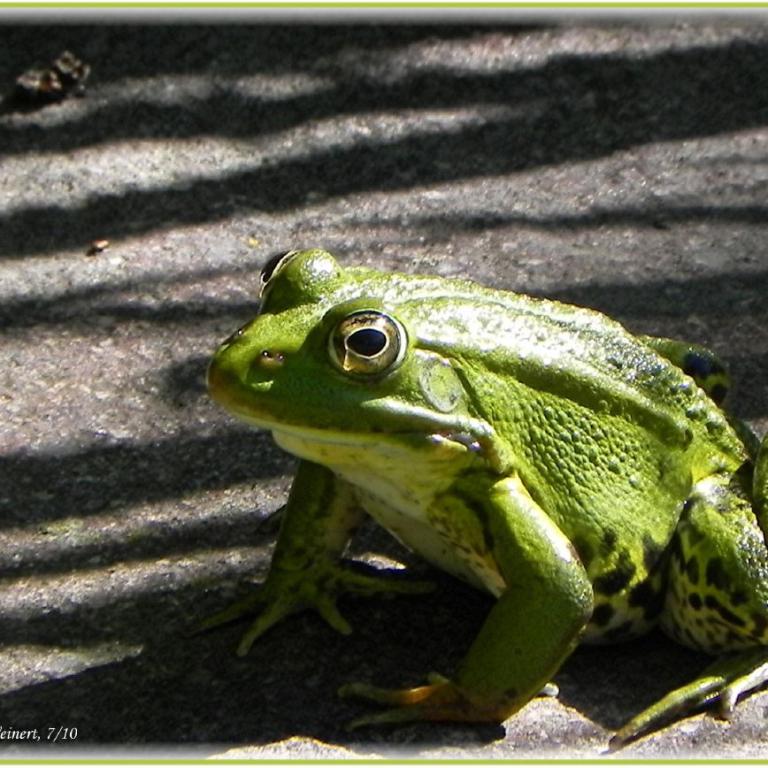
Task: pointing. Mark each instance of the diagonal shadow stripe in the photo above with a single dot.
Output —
(647, 99)
(93, 479)
(719, 296)
(605, 105)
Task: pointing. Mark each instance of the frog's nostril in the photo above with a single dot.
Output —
(270, 359)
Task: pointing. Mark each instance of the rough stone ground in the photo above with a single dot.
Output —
(622, 166)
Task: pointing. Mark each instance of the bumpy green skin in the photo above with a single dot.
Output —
(534, 449)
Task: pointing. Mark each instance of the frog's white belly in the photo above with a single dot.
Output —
(401, 489)
(412, 528)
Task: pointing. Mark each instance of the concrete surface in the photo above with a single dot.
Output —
(622, 166)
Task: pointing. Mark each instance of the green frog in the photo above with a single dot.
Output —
(584, 476)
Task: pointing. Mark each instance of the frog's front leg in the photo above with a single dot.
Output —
(318, 520)
(528, 634)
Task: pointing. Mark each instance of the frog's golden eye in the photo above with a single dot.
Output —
(272, 267)
(368, 343)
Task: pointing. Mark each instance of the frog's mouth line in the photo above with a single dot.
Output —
(434, 433)
(423, 425)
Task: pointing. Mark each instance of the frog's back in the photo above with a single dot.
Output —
(578, 354)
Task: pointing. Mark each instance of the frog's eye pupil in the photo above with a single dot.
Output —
(367, 342)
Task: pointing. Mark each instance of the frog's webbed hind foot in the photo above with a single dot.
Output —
(723, 682)
(285, 592)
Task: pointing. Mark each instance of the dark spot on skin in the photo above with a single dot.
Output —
(602, 614)
(699, 366)
(676, 550)
(718, 392)
(738, 597)
(617, 579)
(692, 570)
(716, 575)
(712, 602)
(609, 542)
(695, 600)
(617, 633)
(646, 597)
(695, 365)
(651, 553)
(760, 620)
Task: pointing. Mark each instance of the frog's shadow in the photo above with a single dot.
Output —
(286, 686)
(397, 642)
(605, 684)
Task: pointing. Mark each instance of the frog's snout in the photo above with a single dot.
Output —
(235, 378)
(219, 380)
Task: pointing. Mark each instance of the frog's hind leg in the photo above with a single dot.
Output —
(760, 487)
(723, 682)
(717, 599)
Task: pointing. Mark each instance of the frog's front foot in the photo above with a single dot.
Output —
(440, 700)
(722, 682)
(285, 592)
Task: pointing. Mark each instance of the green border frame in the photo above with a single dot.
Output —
(392, 4)
(380, 761)
(561, 5)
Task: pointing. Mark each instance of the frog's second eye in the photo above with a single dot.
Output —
(368, 343)
(272, 267)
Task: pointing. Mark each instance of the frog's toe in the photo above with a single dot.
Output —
(551, 690)
(673, 705)
(360, 579)
(271, 615)
(284, 604)
(388, 717)
(400, 697)
(722, 682)
(440, 700)
(743, 682)
(231, 613)
(326, 607)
